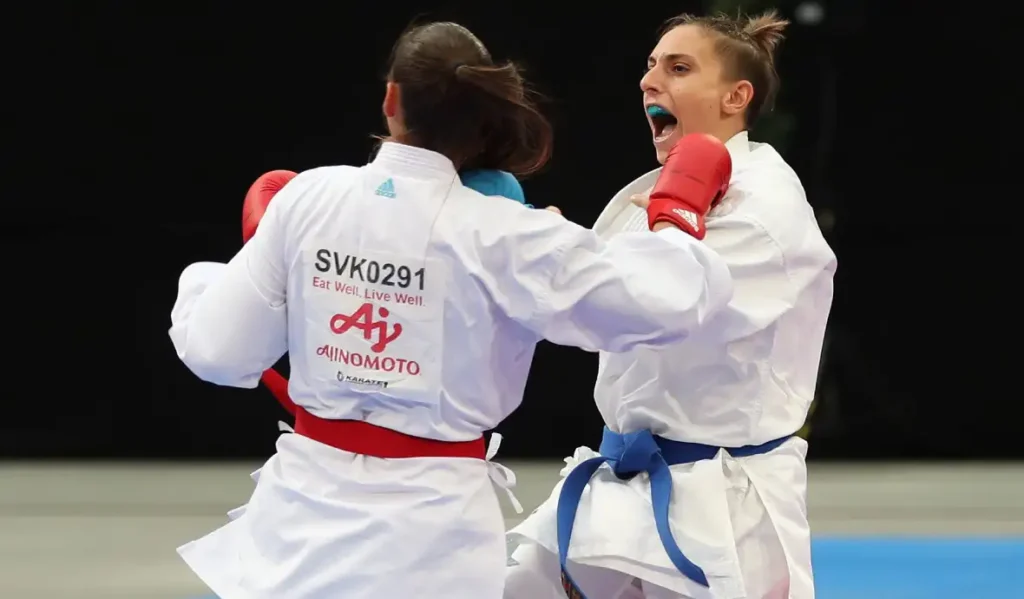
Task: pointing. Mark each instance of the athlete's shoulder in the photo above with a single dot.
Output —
(326, 179)
(319, 177)
(767, 197)
(339, 173)
(312, 189)
(764, 173)
(765, 189)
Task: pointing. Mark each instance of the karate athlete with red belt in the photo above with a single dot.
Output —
(378, 492)
(487, 182)
(409, 306)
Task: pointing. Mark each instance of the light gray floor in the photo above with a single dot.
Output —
(109, 531)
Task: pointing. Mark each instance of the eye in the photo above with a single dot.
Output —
(680, 68)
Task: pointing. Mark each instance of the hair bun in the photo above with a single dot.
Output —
(766, 30)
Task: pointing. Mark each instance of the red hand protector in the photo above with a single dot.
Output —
(255, 206)
(695, 177)
(258, 198)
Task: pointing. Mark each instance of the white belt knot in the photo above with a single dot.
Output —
(502, 476)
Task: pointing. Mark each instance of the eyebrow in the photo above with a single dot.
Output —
(674, 57)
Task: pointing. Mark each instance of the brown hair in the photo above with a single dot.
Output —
(747, 47)
(456, 101)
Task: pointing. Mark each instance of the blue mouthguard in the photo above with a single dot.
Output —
(657, 111)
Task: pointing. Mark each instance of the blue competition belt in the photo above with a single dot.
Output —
(629, 455)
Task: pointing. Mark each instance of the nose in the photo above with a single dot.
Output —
(650, 82)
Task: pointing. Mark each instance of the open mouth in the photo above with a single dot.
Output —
(663, 122)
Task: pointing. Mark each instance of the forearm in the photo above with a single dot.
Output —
(223, 329)
(637, 290)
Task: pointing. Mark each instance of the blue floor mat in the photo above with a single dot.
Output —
(916, 568)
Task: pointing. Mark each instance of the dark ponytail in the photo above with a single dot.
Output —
(516, 137)
(457, 102)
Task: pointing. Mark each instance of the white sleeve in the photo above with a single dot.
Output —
(640, 289)
(769, 280)
(229, 322)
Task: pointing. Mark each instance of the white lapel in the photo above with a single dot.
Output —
(621, 200)
(738, 147)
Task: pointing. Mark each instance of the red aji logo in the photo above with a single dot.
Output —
(362, 319)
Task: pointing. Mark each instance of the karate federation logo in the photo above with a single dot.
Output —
(688, 216)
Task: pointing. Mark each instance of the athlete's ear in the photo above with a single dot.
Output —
(391, 100)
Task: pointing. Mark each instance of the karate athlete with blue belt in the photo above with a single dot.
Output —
(698, 489)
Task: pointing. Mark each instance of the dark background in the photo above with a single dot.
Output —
(136, 131)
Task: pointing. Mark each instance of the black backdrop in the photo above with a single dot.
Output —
(137, 132)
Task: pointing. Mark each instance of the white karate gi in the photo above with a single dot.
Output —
(746, 378)
(474, 282)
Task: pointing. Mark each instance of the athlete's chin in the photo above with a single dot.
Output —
(662, 147)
